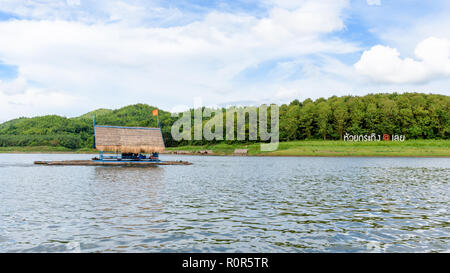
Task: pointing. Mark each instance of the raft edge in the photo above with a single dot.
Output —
(103, 163)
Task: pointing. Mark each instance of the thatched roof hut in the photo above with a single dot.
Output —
(128, 139)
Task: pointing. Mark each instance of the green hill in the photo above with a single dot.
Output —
(98, 113)
(76, 132)
(415, 115)
(10, 123)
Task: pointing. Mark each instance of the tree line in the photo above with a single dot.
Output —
(414, 115)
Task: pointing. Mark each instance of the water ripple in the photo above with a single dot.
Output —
(227, 204)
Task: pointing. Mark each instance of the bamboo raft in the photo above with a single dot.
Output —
(109, 163)
(129, 145)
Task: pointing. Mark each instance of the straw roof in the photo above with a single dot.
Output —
(128, 139)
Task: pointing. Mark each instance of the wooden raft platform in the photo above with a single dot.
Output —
(109, 163)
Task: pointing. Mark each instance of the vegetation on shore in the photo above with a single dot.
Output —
(413, 148)
(413, 115)
(44, 149)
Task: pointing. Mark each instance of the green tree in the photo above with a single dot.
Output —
(307, 117)
(323, 117)
(290, 124)
(356, 115)
(340, 116)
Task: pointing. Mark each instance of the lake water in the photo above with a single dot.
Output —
(226, 204)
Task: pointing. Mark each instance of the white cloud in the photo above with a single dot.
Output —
(41, 98)
(384, 64)
(16, 86)
(312, 17)
(136, 12)
(373, 2)
(120, 63)
(73, 2)
(35, 101)
(90, 54)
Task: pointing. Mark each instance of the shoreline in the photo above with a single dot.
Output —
(318, 155)
(304, 148)
(248, 155)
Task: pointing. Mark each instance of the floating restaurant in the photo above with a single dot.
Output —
(128, 143)
(119, 145)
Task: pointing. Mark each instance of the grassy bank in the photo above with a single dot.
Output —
(336, 148)
(418, 148)
(44, 149)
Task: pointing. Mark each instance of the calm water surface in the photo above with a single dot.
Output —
(226, 204)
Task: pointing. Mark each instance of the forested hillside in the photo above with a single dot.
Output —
(415, 115)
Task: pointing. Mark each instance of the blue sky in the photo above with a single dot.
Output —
(68, 57)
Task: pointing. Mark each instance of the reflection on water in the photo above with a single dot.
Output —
(226, 204)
